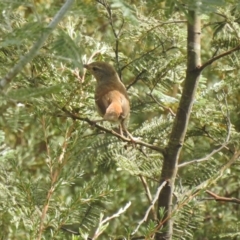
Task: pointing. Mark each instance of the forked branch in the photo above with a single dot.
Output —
(93, 123)
(210, 61)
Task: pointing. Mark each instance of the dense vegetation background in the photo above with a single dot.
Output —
(61, 177)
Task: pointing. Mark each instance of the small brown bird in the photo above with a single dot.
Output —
(111, 96)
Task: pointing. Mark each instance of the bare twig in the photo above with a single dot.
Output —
(43, 121)
(148, 194)
(222, 199)
(150, 207)
(89, 61)
(93, 56)
(210, 61)
(138, 77)
(159, 76)
(104, 222)
(166, 108)
(204, 158)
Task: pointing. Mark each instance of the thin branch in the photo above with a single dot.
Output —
(159, 78)
(43, 121)
(89, 61)
(221, 15)
(148, 194)
(166, 108)
(209, 62)
(93, 123)
(150, 207)
(35, 48)
(116, 35)
(104, 222)
(222, 199)
(204, 158)
(138, 77)
(146, 53)
(71, 231)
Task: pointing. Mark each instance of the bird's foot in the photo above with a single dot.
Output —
(133, 139)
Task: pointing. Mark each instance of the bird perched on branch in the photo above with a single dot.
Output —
(111, 96)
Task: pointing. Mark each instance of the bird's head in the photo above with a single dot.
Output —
(101, 71)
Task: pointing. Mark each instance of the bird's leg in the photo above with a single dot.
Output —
(123, 128)
(131, 136)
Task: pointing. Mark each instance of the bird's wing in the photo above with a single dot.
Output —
(113, 104)
(102, 104)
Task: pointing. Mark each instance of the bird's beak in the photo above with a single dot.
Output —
(85, 66)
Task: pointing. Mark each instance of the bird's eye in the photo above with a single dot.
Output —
(95, 68)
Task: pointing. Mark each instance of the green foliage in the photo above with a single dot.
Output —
(188, 221)
(60, 175)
